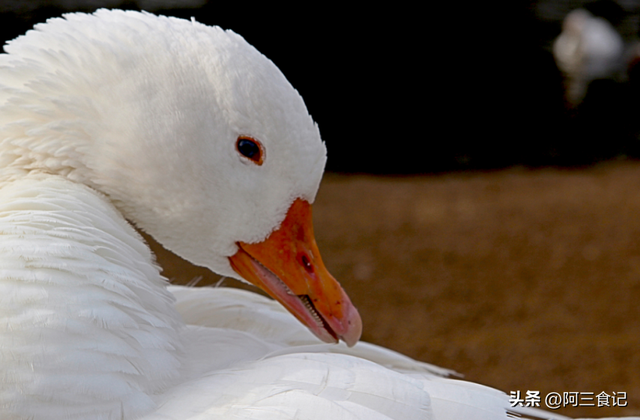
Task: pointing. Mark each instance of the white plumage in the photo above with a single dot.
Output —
(588, 48)
(122, 115)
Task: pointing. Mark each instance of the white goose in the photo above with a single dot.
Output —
(588, 48)
(195, 137)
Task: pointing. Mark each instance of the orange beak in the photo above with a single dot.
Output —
(287, 265)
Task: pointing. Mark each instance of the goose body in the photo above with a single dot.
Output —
(91, 331)
(195, 137)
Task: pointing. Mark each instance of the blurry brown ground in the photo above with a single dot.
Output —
(519, 279)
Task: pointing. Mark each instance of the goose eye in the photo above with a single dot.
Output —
(250, 148)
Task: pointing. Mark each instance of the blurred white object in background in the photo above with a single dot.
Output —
(588, 48)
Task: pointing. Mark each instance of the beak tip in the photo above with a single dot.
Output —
(353, 328)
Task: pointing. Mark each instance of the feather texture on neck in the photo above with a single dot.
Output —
(80, 295)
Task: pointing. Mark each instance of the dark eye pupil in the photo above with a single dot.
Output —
(248, 148)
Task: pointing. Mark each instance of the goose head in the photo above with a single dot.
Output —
(195, 136)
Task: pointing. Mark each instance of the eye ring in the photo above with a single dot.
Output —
(251, 149)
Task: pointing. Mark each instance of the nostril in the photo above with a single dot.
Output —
(306, 263)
